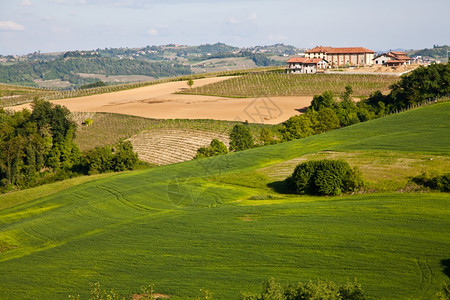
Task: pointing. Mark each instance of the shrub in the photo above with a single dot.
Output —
(325, 177)
(118, 158)
(440, 182)
(215, 148)
(274, 290)
(88, 122)
(445, 294)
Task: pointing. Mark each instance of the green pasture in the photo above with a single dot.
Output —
(219, 223)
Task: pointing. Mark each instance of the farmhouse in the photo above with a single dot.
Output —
(393, 58)
(349, 56)
(304, 65)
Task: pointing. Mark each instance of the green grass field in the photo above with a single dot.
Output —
(280, 84)
(218, 224)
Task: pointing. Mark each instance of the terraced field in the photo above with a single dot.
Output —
(169, 146)
(223, 224)
(158, 142)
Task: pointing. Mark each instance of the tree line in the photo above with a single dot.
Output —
(38, 147)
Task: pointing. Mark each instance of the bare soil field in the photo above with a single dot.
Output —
(160, 102)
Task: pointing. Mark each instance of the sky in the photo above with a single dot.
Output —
(27, 26)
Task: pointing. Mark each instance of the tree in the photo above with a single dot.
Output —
(326, 120)
(190, 83)
(216, 147)
(124, 157)
(346, 109)
(241, 138)
(297, 127)
(266, 137)
(326, 100)
(325, 177)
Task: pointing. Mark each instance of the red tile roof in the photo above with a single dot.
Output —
(342, 50)
(297, 59)
(398, 53)
(318, 49)
(305, 60)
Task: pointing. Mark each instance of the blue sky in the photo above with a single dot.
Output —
(60, 25)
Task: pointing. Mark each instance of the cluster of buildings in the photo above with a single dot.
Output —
(320, 58)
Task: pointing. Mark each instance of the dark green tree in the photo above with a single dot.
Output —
(326, 120)
(241, 138)
(124, 157)
(266, 137)
(325, 177)
(216, 147)
(326, 100)
(297, 127)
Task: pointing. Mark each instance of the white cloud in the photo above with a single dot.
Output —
(11, 25)
(26, 3)
(152, 31)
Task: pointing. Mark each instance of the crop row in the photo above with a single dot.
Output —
(278, 84)
(162, 147)
(49, 94)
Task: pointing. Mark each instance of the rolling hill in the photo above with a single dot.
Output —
(220, 224)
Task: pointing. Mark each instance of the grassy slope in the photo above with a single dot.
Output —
(187, 226)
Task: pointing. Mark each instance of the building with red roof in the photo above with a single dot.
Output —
(347, 56)
(305, 65)
(393, 58)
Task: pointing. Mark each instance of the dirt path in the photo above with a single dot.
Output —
(160, 102)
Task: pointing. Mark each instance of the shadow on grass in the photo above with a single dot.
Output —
(445, 263)
(282, 187)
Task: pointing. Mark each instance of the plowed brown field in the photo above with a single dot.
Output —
(160, 102)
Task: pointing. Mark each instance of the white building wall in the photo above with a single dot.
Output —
(381, 60)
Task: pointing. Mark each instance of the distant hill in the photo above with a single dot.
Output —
(74, 69)
(437, 52)
(69, 67)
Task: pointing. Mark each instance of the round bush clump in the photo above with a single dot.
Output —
(325, 177)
